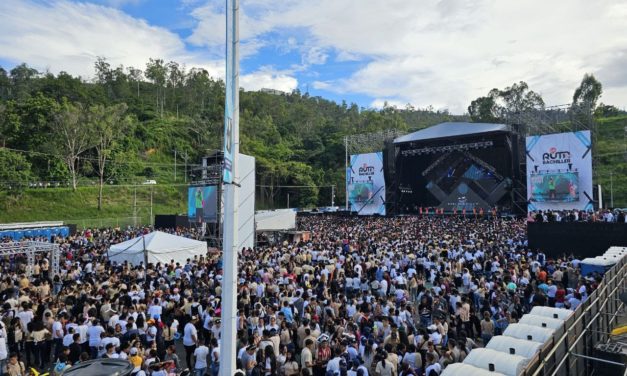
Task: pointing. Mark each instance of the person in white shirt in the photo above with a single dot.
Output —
(94, 332)
(190, 339)
(200, 355)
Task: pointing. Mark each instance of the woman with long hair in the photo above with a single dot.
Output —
(384, 367)
(270, 365)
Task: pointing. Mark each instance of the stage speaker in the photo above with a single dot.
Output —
(391, 179)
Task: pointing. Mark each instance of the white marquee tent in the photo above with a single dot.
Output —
(275, 220)
(159, 246)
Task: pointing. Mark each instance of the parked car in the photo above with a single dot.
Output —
(149, 182)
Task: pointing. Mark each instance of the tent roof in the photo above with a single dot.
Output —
(451, 129)
(156, 241)
(275, 220)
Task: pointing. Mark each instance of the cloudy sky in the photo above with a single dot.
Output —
(442, 53)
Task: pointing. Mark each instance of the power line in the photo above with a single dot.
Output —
(91, 159)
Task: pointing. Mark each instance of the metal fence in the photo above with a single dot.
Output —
(82, 224)
(573, 353)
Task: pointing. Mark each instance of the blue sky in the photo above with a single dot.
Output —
(440, 53)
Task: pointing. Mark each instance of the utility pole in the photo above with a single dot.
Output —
(151, 218)
(346, 169)
(175, 160)
(135, 207)
(332, 195)
(611, 190)
(288, 200)
(186, 167)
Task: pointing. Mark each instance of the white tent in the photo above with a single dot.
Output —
(461, 369)
(514, 346)
(556, 313)
(275, 220)
(543, 322)
(529, 332)
(492, 360)
(159, 246)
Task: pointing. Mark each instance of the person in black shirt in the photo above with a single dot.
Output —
(75, 348)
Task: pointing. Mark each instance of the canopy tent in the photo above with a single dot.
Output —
(159, 247)
(275, 220)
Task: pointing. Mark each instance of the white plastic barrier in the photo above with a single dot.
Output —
(529, 332)
(461, 369)
(543, 322)
(514, 346)
(492, 360)
(556, 313)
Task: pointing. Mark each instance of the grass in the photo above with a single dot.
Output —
(611, 158)
(81, 206)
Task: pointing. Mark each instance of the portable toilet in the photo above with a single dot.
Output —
(600, 265)
(461, 369)
(496, 361)
(514, 346)
(543, 322)
(556, 313)
(529, 332)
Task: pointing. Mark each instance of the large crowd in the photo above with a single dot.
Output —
(364, 296)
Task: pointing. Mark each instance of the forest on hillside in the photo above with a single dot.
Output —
(129, 124)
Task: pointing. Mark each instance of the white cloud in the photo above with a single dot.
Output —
(266, 78)
(447, 52)
(67, 36)
(315, 56)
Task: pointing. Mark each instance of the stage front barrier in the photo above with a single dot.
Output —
(573, 353)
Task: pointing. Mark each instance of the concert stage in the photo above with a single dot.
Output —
(454, 167)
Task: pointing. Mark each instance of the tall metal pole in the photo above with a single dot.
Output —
(186, 167)
(151, 218)
(288, 200)
(346, 169)
(611, 189)
(332, 195)
(228, 328)
(175, 163)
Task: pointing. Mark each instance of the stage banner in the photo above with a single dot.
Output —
(559, 171)
(365, 184)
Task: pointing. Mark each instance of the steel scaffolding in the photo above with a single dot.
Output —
(30, 249)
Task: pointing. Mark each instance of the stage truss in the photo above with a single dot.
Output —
(30, 249)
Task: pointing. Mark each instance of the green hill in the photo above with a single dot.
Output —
(612, 159)
(80, 207)
(138, 121)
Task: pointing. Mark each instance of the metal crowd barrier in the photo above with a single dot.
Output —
(573, 353)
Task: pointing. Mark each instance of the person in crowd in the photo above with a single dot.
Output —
(369, 296)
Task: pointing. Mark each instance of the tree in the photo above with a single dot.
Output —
(107, 126)
(588, 93)
(14, 170)
(484, 110)
(499, 104)
(157, 72)
(74, 137)
(518, 98)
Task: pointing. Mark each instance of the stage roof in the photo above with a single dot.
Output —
(450, 129)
